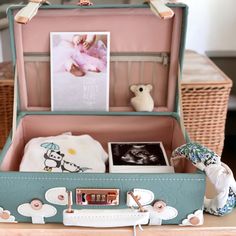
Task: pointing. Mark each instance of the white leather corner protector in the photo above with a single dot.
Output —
(6, 217)
(57, 196)
(105, 218)
(37, 214)
(145, 197)
(194, 219)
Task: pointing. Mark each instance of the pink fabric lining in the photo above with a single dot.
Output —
(174, 61)
(117, 21)
(13, 156)
(38, 84)
(22, 87)
(114, 109)
(34, 38)
(103, 128)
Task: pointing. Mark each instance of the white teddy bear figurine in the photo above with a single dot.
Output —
(142, 100)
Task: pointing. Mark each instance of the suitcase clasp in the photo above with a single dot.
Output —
(101, 197)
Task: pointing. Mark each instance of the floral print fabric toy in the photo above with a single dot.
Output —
(219, 174)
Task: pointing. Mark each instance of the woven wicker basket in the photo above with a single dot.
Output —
(205, 94)
(6, 100)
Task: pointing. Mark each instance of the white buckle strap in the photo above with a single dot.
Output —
(29, 11)
(145, 197)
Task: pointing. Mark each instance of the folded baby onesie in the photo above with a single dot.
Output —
(64, 153)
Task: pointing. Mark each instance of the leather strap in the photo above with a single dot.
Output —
(160, 9)
(29, 11)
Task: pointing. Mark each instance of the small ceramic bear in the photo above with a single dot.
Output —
(142, 100)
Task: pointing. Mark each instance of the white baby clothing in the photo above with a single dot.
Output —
(64, 153)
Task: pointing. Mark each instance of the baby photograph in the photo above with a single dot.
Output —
(80, 71)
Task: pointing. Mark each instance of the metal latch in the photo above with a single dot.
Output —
(107, 197)
(136, 199)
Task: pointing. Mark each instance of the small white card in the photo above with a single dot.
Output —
(80, 71)
(138, 157)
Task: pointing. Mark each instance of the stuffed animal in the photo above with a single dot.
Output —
(142, 100)
(218, 173)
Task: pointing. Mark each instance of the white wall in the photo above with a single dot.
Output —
(211, 25)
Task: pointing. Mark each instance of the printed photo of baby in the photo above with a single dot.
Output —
(90, 54)
(79, 70)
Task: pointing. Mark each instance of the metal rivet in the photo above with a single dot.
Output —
(194, 220)
(61, 197)
(159, 206)
(36, 204)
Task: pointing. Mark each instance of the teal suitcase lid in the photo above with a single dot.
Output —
(108, 7)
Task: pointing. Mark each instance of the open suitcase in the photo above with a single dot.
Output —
(135, 30)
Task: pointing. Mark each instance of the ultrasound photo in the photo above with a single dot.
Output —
(147, 154)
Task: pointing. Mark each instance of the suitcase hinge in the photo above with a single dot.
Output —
(84, 3)
(29, 11)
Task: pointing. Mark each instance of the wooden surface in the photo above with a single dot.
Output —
(213, 225)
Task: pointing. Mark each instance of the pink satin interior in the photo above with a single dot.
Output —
(132, 30)
(102, 128)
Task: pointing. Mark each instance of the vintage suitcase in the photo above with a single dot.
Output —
(155, 50)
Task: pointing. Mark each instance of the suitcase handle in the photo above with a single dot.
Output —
(148, 214)
(106, 218)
